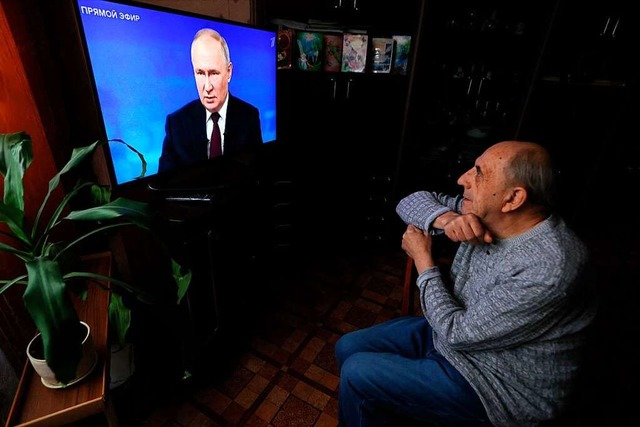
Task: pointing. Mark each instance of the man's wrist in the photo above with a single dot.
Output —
(441, 221)
(423, 263)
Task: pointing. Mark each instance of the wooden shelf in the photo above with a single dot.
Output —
(36, 405)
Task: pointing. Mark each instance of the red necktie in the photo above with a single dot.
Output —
(215, 146)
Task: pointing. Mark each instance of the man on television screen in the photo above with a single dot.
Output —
(216, 124)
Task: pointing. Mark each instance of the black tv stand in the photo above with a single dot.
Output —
(186, 195)
(197, 198)
(206, 229)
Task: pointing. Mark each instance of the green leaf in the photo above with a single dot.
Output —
(47, 292)
(77, 156)
(23, 255)
(143, 162)
(14, 218)
(119, 318)
(56, 251)
(53, 220)
(16, 154)
(50, 307)
(182, 279)
(9, 283)
(140, 294)
(101, 194)
(121, 207)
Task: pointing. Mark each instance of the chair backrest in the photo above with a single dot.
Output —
(408, 289)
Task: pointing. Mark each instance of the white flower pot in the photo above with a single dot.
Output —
(86, 365)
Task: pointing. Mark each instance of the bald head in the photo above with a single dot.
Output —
(529, 165)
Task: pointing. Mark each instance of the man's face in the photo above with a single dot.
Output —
(212, 73)
(484, 184)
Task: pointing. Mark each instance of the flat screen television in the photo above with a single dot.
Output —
(139, 58)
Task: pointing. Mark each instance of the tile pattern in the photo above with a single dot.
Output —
(287, 375)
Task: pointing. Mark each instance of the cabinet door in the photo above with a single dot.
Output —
(474, 67)
(344, 131)
(305, 101)
(302, 11)
(364, 14)
(583, 106)
(591, 42)
(374, 108)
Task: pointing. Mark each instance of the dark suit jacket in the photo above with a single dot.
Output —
(185, 141)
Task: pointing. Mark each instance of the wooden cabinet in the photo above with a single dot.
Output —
(555, 71)
(591, 42)
(475, 64)
(343, 129)
(343, 132)
(361, 13)
(583, 106)
(342, 114)
(559, 72)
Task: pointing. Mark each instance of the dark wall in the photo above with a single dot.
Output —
(46, 92)
(30, 100)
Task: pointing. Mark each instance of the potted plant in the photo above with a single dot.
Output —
(50, 278)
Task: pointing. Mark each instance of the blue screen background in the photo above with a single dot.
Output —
(142, 72)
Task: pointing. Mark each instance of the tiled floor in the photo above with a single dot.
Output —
(286, 374)
(283, 372)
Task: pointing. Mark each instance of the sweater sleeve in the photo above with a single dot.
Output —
(422, 208)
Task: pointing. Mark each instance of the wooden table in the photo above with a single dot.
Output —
(36, 405)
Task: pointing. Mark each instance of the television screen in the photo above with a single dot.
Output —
(140, 60)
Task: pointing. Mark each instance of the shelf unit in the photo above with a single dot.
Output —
(343, 130)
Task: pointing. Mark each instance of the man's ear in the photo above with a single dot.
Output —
(514, 199)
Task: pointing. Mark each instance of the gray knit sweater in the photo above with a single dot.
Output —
(513, 316)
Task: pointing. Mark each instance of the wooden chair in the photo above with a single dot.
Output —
(408, 288)
(444, 258)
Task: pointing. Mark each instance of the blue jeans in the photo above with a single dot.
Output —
(392, 370)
